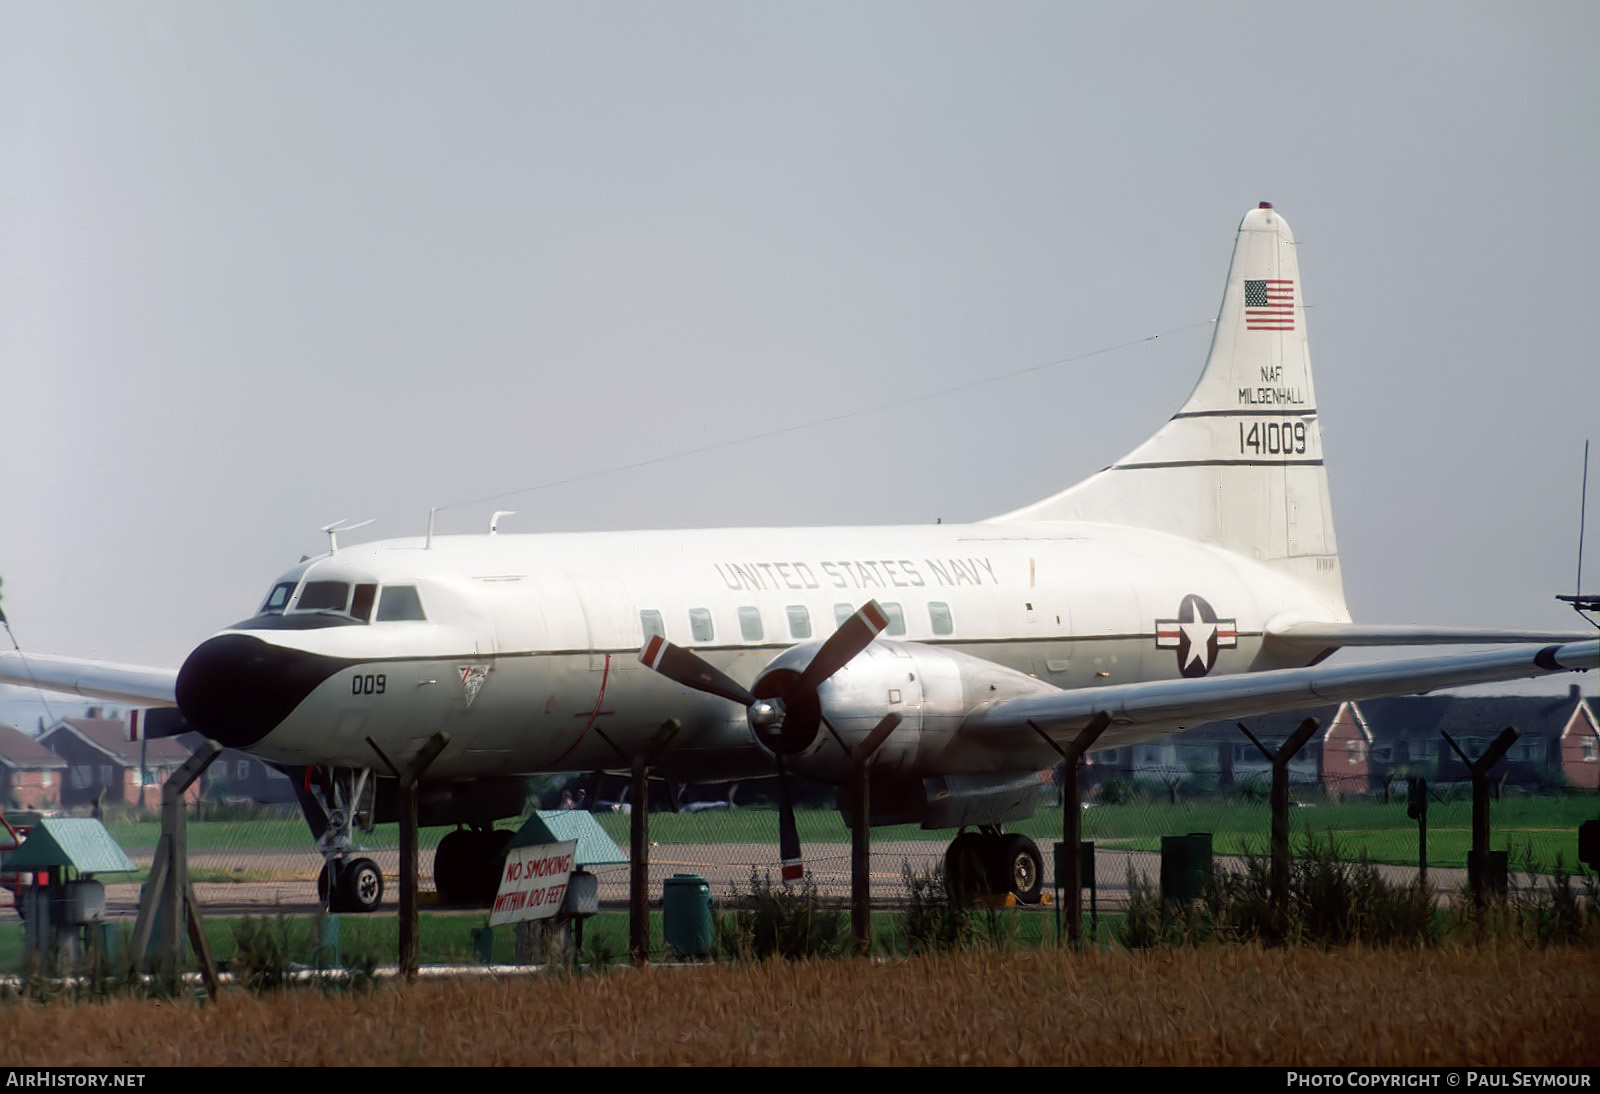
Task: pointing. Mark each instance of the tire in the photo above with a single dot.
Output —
(964, 873)
(453, 867)
(1018, 868)
(361, 886)
(492, 862)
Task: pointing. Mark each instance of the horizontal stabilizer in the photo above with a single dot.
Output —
(137, 684)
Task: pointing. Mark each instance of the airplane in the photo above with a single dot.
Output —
(1195, 578)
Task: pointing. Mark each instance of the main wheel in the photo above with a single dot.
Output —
(1017, 868)
(493, 863)
(964, 875)
(453, 867)
(361, 886)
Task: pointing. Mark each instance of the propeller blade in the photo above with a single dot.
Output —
(686, 668)
(853, 636)
(788, 834)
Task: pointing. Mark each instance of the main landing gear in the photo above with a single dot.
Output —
(990, 861)
(467, 865)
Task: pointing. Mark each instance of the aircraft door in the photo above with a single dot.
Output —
(612, 622)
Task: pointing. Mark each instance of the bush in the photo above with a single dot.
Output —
(1330, 902)
(780, 921)
(1334, 902)
(1115, 791)
(261, 960)
(933, 921)
(1547, 910)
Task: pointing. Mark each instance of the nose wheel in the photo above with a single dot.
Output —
(354, 887)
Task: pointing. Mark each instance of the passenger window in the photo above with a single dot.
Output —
(399, 603)
(750, 624)
(897, 618)
(939, 616)
(650, 620)
(323, 596)
(361, 606)
(700, 628)
(799, 621)
(841, 612)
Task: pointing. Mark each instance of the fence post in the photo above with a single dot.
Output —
(1072, 816)
(1478, 861)
(1280, 805)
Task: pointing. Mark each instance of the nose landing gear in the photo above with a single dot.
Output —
(341, 799)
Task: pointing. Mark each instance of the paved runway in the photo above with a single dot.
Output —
(285, 880)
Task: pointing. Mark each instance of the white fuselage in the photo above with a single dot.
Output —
(528, 657)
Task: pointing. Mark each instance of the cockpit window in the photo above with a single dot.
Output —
(361, 606)
(323, 596)
(277, 599)
(399, 602)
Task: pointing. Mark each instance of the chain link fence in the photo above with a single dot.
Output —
(257, 860)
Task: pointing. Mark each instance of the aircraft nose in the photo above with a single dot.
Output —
(236, 689)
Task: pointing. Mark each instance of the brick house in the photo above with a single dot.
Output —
(1408, 737)
(1370, 746)
(30, 774)
(1578, 749)
(104, 767)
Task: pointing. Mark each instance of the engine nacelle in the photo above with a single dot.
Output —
(932, 688)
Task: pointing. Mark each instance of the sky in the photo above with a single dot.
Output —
(268, 266)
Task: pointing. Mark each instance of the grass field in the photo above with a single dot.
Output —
(446, 938)
(1538, 829)
(1534, 829)
(1238, 1005)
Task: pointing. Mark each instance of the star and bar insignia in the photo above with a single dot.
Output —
(1197, 634)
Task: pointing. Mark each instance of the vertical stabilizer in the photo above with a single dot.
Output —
(1240, 465)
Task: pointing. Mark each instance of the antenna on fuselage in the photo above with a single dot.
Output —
(494, 521)
(1581, 603)
(431, 512)
(338, 526)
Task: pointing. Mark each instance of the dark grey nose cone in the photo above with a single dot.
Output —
(236, 689)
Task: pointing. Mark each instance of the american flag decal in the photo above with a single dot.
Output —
(1269, 305)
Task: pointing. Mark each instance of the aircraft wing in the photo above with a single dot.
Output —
(1158, 707)
(1368, 634)
(137, 684)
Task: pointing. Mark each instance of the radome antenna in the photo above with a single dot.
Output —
(338, 526)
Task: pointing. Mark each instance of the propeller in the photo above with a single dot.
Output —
(785, 710)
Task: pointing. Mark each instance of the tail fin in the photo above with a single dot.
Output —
(1240, 465)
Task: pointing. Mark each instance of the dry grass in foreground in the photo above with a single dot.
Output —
(1225, 1005)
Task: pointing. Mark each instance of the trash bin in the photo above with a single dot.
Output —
(686, 921)
(1185, 865)
(1499, 871)
(1085, 864)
